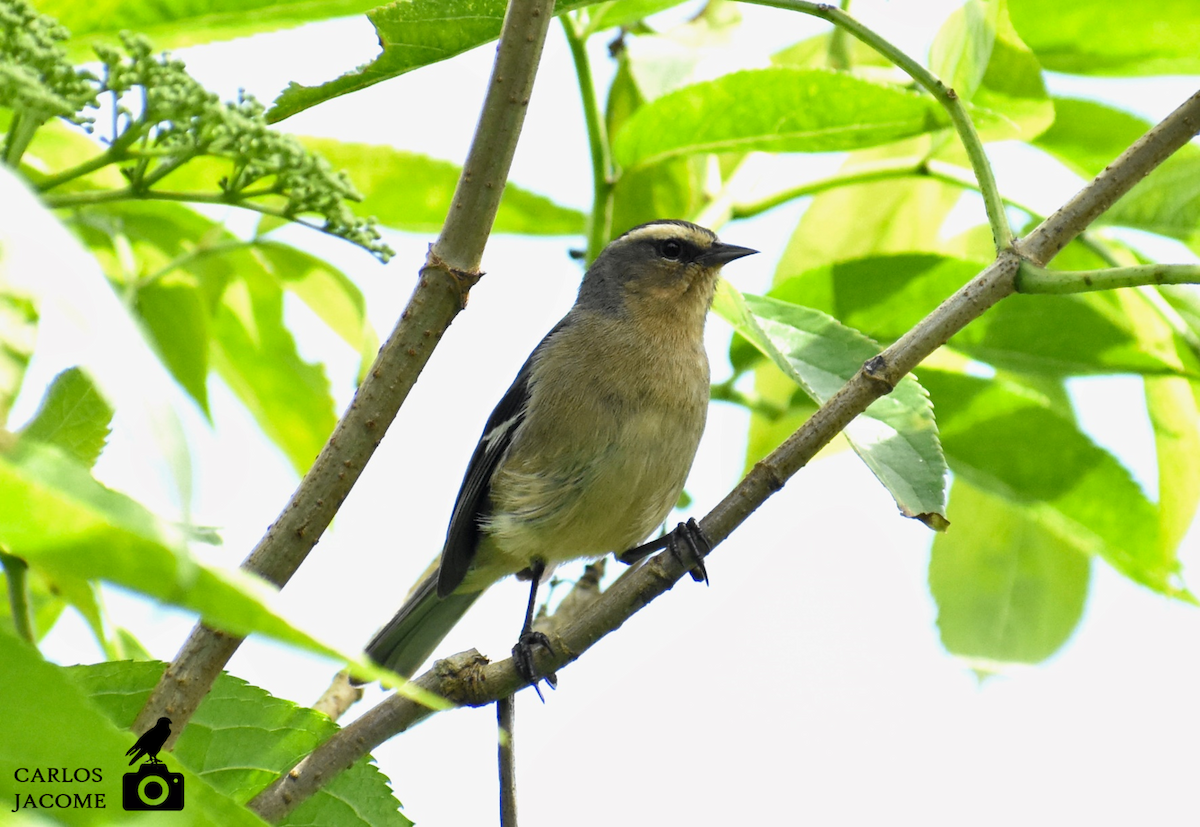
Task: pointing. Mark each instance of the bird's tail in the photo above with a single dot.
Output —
(423, 621)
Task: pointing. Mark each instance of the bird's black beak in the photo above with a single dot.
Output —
(720, 254)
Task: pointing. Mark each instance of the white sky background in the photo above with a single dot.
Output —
(807, 684)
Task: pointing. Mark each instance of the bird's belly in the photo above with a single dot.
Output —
(587, 503)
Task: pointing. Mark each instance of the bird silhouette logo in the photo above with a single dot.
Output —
(152, 786)
(151, 742)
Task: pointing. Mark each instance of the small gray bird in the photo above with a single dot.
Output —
(151, 742)
(589, 449)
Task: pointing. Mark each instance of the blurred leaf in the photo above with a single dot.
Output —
(902, 216)
(662, 62)
(624, 98)
(813, 53)
(673, 187)
(1009, 442)
(328, 292)
(1009, 588)
(780, 109)
(73, 416)
(1175, 416)
(176, 23)
(413, 192)
(1110, 38)
(45, 605)
(18, 331)
(412, 34)
(1012, 86)
(883, 296)
(896, 436)
(174, 311)
(1088, 136)
(241, 739)
(609, 15)
(49, 722)
(70, 527)
(963, 46)
(256, 356)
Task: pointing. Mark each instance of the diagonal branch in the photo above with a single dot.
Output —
(451, 269)
(468, 679)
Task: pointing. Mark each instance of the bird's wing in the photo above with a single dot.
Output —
(470, 508)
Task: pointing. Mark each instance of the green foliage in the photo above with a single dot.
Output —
(1034, 499)
(51, 722)
(773, 110)
(241, 739)
(896, 436)
(73, 417)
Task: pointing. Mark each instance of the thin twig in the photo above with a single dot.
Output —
(468, 679)
(506, 717)
(1033, 279)
(600, 222)
(1001, 231)
(451, 269)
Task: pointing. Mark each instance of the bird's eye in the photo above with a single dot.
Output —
(671, 249)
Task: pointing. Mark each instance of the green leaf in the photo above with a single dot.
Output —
(241, 738)
(780, 109)
(175, 23)
(1110, 38)
(1008, 587)
(413, 192)
(1010, 442)
(49, 722)
(896, 436)
(1174, 415)
(889, 217)
(256, 356)
(1088, 136)
(18, 331)
(70, 527)
(72, 416)
(412, 34)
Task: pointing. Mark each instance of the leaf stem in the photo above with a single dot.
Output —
(1001, 231)
(600, 223)
(1034, 279)
(18, 595)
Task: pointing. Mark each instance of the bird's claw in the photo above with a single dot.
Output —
(688, 545)
(523, 659)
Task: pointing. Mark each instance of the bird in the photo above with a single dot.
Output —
(589, 449)
(151, 742)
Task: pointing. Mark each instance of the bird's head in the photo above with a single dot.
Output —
(663, 267)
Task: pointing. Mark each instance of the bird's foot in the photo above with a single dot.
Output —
(523, 659)
(686, 543)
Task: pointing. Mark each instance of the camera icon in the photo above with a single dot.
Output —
(152, 787)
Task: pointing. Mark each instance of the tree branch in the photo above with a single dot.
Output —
(1034, 279)
(468, 679)
(451, 269)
